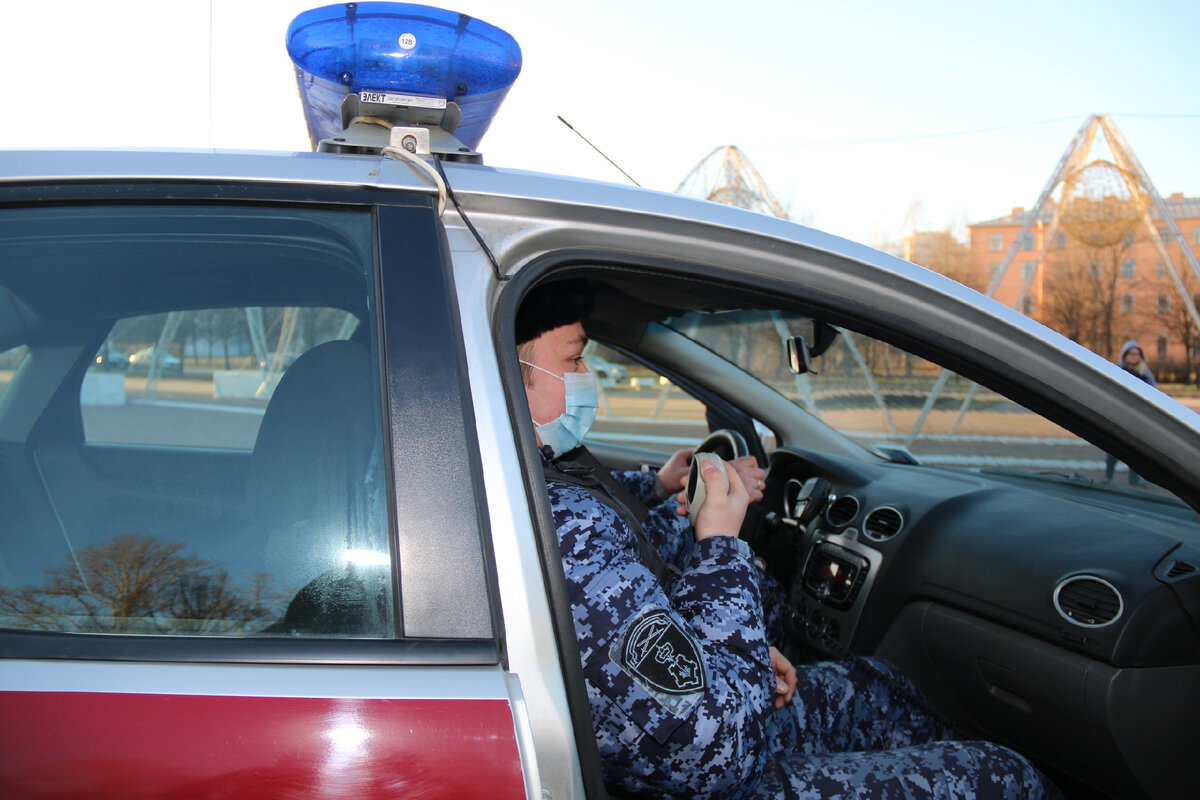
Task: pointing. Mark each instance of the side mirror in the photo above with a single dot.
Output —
(798, 355)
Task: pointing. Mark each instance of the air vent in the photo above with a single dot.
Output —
(1088, 601)
(883, 523)
(842, 510)
(1179, 569)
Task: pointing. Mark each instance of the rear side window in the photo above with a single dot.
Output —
(191, 432)
(198, 378)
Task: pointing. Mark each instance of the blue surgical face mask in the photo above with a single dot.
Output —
(565, 432)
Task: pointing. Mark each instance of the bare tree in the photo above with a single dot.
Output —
(1106, 269)
(1070, 302)
(1101, 210)
(226, 325)
(941, 252)
(1081, 297)
(1178, 321)
(139, 584)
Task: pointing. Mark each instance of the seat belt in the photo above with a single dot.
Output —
(580, 468)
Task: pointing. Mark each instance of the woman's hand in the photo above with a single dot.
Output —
(673, 474)
(753, 476)
(724, 507)
(785, 678)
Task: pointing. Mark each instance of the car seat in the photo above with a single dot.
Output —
(316, 488)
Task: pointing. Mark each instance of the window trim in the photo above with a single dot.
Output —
(450, 479)
(404, 649)
(259, 650)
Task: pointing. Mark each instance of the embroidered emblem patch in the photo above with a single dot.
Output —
(659, 652)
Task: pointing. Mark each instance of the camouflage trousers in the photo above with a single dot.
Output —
(847, 734)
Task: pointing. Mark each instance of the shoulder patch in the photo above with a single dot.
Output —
(662, 654)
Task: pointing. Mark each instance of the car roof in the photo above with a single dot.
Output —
(351, 170)
(267, 166)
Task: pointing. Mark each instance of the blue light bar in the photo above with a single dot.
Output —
(388, 49)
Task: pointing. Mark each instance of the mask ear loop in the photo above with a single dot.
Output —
(552, 375)
(543, 369)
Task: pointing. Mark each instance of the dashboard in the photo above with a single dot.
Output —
(1079, 567)
(1060, 618)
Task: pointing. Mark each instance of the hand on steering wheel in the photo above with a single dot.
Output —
(754, 478)
(720, 508)
(724, 494)
(673, 474)
(731, 447)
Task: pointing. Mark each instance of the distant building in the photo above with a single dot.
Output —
(1100, 296)
(941, 252)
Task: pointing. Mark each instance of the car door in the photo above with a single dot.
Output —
(650, 258)
(255, 566)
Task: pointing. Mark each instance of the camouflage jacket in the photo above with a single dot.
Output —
(679, 681)
(681, 690)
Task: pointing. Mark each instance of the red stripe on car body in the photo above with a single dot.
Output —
(132, 746)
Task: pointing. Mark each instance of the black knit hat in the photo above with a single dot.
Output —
(553, 305)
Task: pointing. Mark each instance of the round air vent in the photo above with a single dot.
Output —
(1088, 601)
(842, 510)
(883, 523)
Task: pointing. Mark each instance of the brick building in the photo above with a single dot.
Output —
(1099, 296)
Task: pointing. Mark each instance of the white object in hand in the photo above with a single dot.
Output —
(694, 490)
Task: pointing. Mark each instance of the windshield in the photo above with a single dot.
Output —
(901, 406)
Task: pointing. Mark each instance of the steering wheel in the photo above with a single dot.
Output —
(726, 443)
(729, 444)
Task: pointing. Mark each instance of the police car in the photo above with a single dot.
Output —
(314, 556)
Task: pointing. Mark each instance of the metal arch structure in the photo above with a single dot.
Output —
(726, 176)
(271, 365)
(1072, 160)
(1066, 174)
(1128, 161)
(1138, 184)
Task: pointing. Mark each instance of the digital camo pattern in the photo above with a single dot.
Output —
(845, 735)
(672, 536)
(640, 484)
(648, 742)
(670, 532)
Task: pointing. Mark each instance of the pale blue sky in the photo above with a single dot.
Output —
(820, 96)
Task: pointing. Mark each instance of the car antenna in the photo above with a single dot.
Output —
(598, 150)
